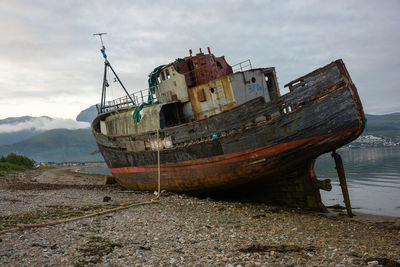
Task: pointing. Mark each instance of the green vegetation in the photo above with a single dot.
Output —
(14, 162)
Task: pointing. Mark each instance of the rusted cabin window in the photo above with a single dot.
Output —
(167, 74)
(162, 76)
(201, 95)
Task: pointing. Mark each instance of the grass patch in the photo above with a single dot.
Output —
(6, 167)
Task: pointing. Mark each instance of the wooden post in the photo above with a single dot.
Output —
(342, 179)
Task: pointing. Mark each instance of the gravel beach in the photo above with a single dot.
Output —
(177, 230)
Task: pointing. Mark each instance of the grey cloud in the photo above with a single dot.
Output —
(42, 124)
(49, 49)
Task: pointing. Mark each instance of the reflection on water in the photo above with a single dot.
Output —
(373, 179)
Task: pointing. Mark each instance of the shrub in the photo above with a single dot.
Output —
(20, 160)
(14, 162)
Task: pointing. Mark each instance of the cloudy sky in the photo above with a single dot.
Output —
(50, 63)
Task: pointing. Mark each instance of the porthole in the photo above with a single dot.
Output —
(212, 90)
(253, 80)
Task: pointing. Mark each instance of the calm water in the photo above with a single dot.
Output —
(96, 170)
(373, 179)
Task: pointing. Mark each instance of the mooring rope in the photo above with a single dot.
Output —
(158, 165)
(39, 225)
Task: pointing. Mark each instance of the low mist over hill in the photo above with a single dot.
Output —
(47, 139)
(16, 129)
(57, 145)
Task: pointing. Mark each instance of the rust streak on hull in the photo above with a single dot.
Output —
(233, 133)
(250, 154)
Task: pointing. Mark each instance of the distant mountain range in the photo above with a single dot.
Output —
(17, 129)
(46, 139)
(57, 145)
(384, 125)
(10, 136)
(88, 114)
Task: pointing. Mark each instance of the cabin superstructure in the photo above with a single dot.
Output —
(194, 88)
(206, 85)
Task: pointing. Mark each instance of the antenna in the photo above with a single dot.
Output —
(105, 82)
(101, 38)
(103, 49)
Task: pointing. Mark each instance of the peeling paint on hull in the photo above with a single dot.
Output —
(270, 159)
(182, 176)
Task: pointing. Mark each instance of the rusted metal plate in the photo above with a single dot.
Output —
(201, 95)
(202, 68)
(212, 98)
(258, 165)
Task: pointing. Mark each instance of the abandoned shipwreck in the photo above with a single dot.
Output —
(206, 126)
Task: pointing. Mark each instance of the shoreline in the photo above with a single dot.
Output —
(361, 215)
(178, 230)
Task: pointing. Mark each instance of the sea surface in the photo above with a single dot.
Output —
(373, 179)
(96, 170)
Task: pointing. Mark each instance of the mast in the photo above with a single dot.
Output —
(105, 82)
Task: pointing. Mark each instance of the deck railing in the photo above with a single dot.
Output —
(242, 66)
(142, 96)
(124, 102)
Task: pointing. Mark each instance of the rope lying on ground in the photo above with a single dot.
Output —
(154, 200)
(27, 226)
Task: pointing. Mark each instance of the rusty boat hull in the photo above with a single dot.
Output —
(264, 150)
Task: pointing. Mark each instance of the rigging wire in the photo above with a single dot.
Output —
(110, 85)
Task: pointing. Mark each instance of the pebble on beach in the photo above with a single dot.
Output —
(177, 230)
